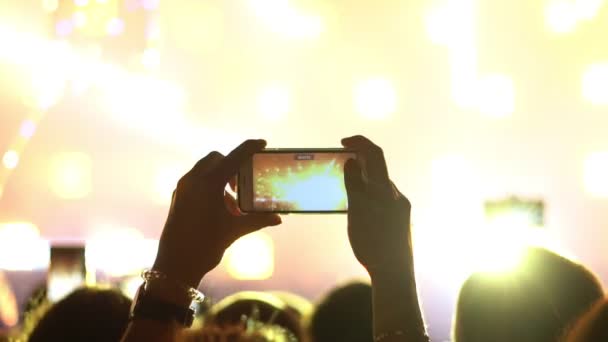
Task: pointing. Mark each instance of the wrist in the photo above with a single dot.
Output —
(183, 273)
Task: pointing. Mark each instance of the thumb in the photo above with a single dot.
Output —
(251, 222)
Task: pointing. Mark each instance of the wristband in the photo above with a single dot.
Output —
(145, 307)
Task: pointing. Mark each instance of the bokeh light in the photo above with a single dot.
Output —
(115, 26)
(119, 250)
(596, 174)
(50, 5)
(561, 16)
(587, 9)
(71, 175)
(595, 84)
(274, 102)
(165, 181)
(150, 58)
(10, 160)
(80, 19)
(375, 98)
(496, 96)
(251, 257)
(280, 16)
(21, 248)
(27, 129)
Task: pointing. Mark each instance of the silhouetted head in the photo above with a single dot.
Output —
(266, 310)
(535, 302)
(345, 314)
(87, 314)
(592, 326)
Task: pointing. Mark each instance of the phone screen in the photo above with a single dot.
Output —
(299, 181)
(66, 272)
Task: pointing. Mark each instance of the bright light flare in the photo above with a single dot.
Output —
(281, 17)
(71, 175)
(375, 98)
(251, 257)
(496, 96)
(596, 174)
(274, 102)
(119, 251)
(21, 248)
(595, 84)
(165, 182)
(10, 160)
(150, 58)
(561, 16)
(452, 24)
(587, 9)
(50, 5)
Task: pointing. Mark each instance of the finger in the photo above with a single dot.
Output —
(353, 181)
(353, 177)
(207, 163)
(230, 165)
(375, 164)
(250, 223)
(232, 183)
(231, 205)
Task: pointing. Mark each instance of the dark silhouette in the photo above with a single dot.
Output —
(87, 314)
(535, 302)
(592, 326)
(260, 307)
(345, 314)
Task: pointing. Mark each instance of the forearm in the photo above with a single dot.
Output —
(397, 314)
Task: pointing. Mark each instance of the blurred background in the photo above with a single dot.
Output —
(478, 105)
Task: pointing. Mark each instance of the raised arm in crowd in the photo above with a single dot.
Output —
(204, 220)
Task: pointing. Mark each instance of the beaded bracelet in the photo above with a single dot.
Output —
(193, 293)
(380, 337)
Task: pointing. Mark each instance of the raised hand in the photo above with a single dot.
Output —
(378, 214)
(203, 220)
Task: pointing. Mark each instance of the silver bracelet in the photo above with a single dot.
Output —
(380, 337)
(193, 293)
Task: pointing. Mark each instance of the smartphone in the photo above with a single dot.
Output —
(294, 181)
(67, 271)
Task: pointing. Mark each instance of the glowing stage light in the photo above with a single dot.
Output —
(274, 102)
(496, 96)
(50, 5)
(119, 251)
(251, 257)
(27, 129)
(71, 175)
(451, 24)
(10, 159)
(21, 248)
(80, 19)
(587, 9)
(81, 3)
(595, 84)
(561, 16)
(281, 17)
(596, 171)
(150, 58)
(115, 26)
(165, 182)
(375, 98)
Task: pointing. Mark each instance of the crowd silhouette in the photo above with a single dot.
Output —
(551, 299)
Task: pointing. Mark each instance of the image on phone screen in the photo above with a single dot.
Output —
(299, 181)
